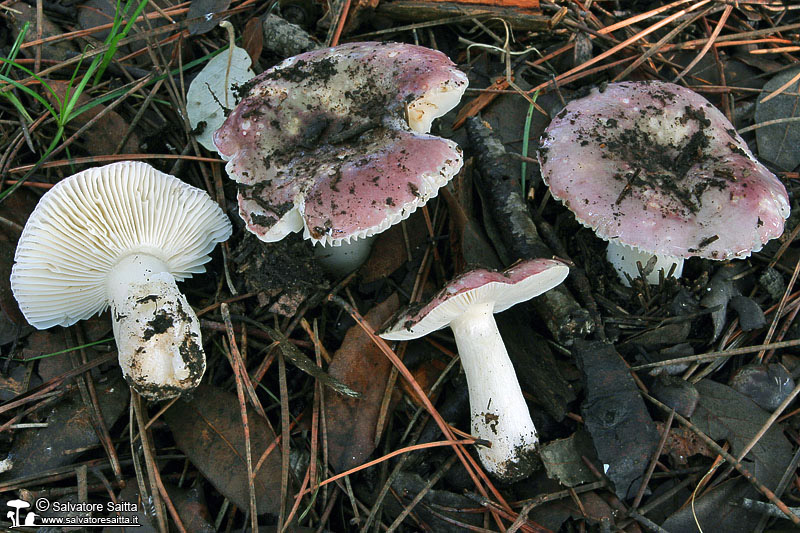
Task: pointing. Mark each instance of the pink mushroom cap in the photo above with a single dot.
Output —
(505, 289)
(655, 166)
(334, 141)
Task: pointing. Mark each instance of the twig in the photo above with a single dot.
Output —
(722, 353)
(149, 461)
(730, 459)
(765, 508)
(236, 364)
(653, 462)
(709, 43)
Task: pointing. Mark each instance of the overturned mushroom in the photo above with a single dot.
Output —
(656, 170)
(334, 142)
(121, 235)
(467, 304)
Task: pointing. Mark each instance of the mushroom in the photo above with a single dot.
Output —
(656, 170)
(467, 304)
(334, 142)
(121, 235)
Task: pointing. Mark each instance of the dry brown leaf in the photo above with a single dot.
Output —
(361, 365)
(208, 429)
(253, 39)
(426, 375)
(69, 428)
(389, 251)
(682, 443)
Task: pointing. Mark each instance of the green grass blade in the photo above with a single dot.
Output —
(115, 37)
(27, 90)
(12, 55)
(11, 97)
(87, 345)
(526, 136)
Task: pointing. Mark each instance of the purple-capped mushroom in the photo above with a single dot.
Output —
(467, 304)
(656, 170)
(334, 142)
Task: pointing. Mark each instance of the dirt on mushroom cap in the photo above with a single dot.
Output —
(658, 167)
(319, 124)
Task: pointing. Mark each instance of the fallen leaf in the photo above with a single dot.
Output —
(594, 507)
(562, 459)
(16, 382)
(191, 506)
(723, 413)
(552, 514)
(714, 512)
(470, 246)
(751, 316)
(682, 443)
(17, 208)
(767, 385)
(614, 413)
(46, 342)
(211, 94)
(208, 429)
(426, 376)
(659, 337)
(719, 292)
(361, 365)
(253, 38)
(69, 428)
(389, 251)
(204, 10)
(436, 507)
(94, 13)
(778, 143)
(304, 363)
(20, 12)
(675, 393)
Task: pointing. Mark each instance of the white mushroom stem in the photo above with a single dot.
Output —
(342, 259)
(157, 332)
(499, 411)
(624, 259)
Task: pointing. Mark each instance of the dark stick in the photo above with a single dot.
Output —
(501, 193)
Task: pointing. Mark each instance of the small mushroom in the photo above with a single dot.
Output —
(334, 142)
(467, 304)
(656, 170)
(121, 235)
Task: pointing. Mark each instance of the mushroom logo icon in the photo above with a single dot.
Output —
(14, 515)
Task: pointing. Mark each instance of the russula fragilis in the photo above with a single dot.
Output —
(467, 304)
(120, 236)
(655, 169)
(334, 142)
